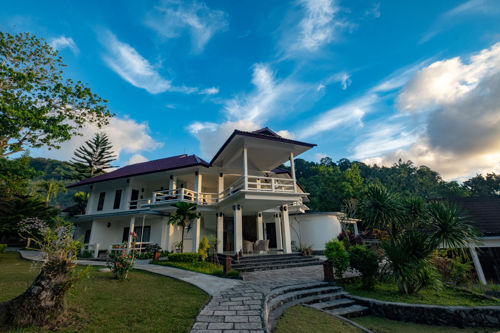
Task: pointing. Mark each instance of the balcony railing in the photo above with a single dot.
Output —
(250, 183)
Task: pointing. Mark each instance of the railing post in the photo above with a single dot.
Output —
(273, 185)
(154, 197)
(181, 194)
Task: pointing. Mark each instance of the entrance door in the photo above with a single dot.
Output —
(271, 234)
(228, 244)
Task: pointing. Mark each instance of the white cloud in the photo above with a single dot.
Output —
(317, 28)
(209, 91)
(63, 42)
(136, 158)
(172, 17)
(126, 135)
(374, 11)
(461, 101)
(349, 114)
(131, 66)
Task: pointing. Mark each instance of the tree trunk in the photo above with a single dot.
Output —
(44, 299)
(182, 239)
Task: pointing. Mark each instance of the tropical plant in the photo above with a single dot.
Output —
(366, 262)
(336, 253)
(93, 157)
(185, 213)
(203, 248)
(120, 263)
(44, 299)
(50, 188)
(39, 106)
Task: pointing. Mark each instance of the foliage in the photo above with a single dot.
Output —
(14, 210)
(184, 214)
(484, 186)
(366, 262)
(38, 106)
(203, 248)
(195, 266)
(14, 176)
(120, 263)
(456, 271)
(183, 257)
(349, 239)
(81, 199)
(85, 254)
(3, 247)
(93, 157)
(336, 253)
(50, 188)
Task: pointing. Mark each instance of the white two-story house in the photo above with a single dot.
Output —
(241, 195)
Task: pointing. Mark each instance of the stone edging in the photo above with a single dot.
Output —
(459, 316)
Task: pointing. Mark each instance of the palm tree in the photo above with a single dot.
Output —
(185, 213)
(51, 188)
(93, 157)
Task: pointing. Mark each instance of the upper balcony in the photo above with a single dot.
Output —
(254, 184)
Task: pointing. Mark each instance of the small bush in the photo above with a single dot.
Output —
(85, 254)
(3, 247)
(183, 257)
(366, 262)
(203, 248)
(120, 264)
(336, 253)
(455, 271)
(349, 239)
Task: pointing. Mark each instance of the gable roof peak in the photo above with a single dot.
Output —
(267, 131)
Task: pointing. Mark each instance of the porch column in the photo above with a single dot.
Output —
(130, 230)
(287, 241)
(220, 186)
(197, 186)
(260, 233)
(196, 234)
(292, 167)
(238, 228)
(172, 184)
(277, 224)
(245, 166)
(356, 231)
(220, 232)
(167, 232)
(93, 232)
(477, 266)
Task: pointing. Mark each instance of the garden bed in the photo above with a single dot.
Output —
(200, 267)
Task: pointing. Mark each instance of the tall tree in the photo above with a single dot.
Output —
(93, 157)
(484, 186)
(50, 188)
(38, 106)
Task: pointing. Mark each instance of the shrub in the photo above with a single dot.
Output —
(336, 253)
(120, 263)
(366, 262)
(3, 247)
(203, 249)
(349, 239)
(455, 271)
(85, 254)
(184, 257)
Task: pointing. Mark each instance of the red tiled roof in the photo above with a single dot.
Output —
(164, 164)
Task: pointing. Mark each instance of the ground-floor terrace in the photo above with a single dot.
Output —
(251, 232)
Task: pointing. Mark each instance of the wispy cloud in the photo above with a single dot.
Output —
(173, 17)
(374, 10)
(209, 91)
(62, 42)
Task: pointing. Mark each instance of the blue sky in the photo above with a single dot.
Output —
(366, 80)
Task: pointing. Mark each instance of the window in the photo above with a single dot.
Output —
(100, 203)
(138, 231)
(118, 198)
(86, 239)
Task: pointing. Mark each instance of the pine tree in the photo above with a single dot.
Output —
(93, 158)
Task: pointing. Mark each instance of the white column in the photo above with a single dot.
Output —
(477, 266)
(277, 224)
(238, 228)
(172, 184)
(220, 233)
(356, 231)
(93, 232)
(260, 233)
(167, 231)
(220, 186)
(130, 230)
(287, 241)
(197, 186)
(292, 166)
(196, 233)
(245, 166)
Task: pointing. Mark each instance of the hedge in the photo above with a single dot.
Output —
(184, 257)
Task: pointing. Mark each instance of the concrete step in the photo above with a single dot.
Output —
(270, 262)
(334, 304)
(350, 311)
(275, 266)
(330, 292)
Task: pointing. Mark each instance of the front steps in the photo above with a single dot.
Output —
(320, 295)
(270, 262)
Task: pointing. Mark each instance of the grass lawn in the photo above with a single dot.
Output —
(301, 319)
(144, 303)
(200, 267)
(445, 296)
(382, 325)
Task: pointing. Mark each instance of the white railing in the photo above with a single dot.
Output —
(136, 204)
(250, 183)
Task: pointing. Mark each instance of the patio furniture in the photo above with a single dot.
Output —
(247, 246)
(261, 246)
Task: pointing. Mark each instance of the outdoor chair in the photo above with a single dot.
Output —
(261, 246)
(247, 246)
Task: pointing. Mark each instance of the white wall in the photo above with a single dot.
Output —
(315, 229)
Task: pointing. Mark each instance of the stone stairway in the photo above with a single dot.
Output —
(320, 295)
(272, 261)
